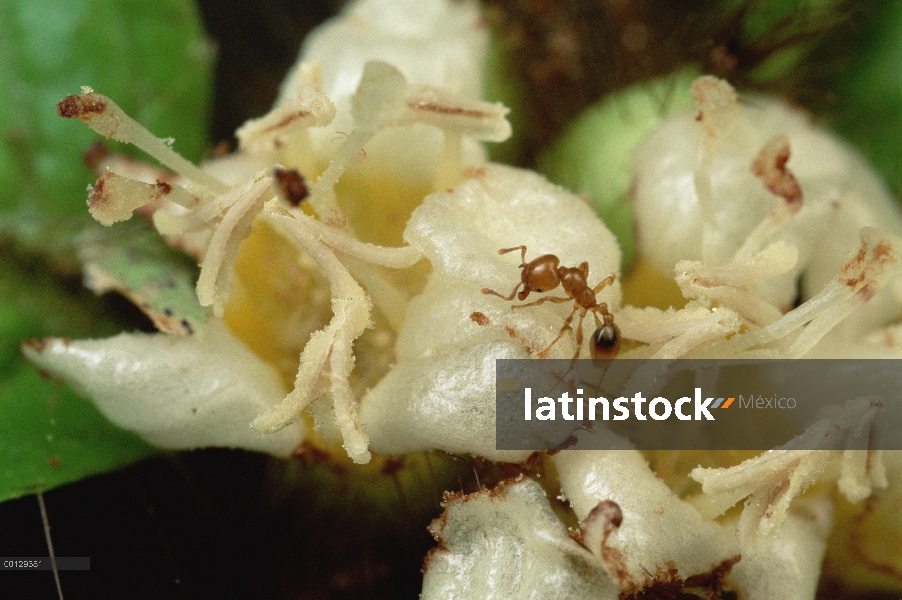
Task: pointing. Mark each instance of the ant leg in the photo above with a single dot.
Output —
(522, 250)
(603, 284)
(555, 299)
(560, 334)
(595, 310)
(579, 335)
(508, 298)
(579, 341)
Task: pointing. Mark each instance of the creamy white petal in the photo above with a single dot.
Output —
(178, 392)
(658, 530)
(507, 544)
(460, 231)
(788, 564)
(445, 403)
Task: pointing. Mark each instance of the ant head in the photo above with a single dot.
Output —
(542, 274)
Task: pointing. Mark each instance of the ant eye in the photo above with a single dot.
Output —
(605, 341)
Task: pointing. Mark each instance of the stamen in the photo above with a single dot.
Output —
(770, 167)
(383, 99)
(218, 265)
(450, 162)
(107, 119)
(174, 220)
(309, 108)
(657, 327)
(351, 315)
(718, 113)
(861, 472)
(476, 119)
(396, 258)
(390, 301)
(861, 277)
(114, 198)
(378, 101)
(728, 284)
(360, 256)
(775, 478)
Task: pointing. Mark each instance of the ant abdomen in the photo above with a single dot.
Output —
(605, 342)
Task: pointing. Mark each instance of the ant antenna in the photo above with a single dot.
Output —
(46, 522)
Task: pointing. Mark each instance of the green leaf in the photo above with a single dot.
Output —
(149, 56)
(132, 260)
(48, 435)
(869, 103)
(152, 58)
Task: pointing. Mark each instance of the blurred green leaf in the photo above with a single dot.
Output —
(869, 94)
(130, 258)
(594, 153)
(48, 435)
(149, 56)
(153, 59)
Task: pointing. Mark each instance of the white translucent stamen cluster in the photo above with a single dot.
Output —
(770, 209)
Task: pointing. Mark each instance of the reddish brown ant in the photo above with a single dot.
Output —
(543, 274)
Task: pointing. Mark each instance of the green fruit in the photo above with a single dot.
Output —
(593, 155)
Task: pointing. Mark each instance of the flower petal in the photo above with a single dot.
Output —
(506, 543)
(659, 532)
(178, 392)
(443, 403)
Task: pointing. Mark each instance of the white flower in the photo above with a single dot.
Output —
(248, 199)
(507, 543)
(768, 206)
(441, 393)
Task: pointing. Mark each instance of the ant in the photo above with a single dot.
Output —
(543, 274)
